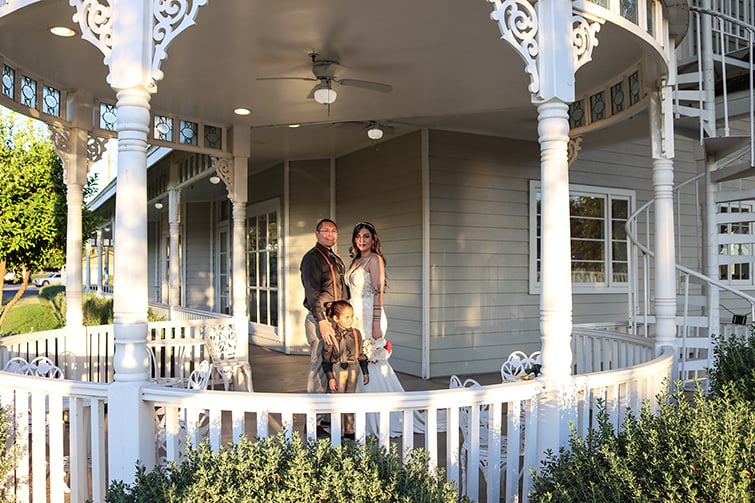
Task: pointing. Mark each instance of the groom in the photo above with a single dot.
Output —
(322, 275)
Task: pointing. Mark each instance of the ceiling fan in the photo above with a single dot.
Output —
(324, 71)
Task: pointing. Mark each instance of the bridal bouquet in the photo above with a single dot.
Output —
(377, 349)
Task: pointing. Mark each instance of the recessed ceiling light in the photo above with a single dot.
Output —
(62, 31)
(294, 125)
(242, 111)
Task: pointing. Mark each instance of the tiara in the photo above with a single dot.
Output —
(366, 224)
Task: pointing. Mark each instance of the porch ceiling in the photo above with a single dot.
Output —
(444, 58)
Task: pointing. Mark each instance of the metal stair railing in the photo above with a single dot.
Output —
(640, 308)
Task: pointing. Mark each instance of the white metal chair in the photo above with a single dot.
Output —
(198, 380)
(464, 423)
(222, 344)
(17, 365)
(42, 366)
(520, 366)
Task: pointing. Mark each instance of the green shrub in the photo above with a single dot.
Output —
(698, 450)
(8, 452)
(734, 362)
(273, 470)
(96, 310)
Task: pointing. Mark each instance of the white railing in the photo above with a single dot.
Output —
(510, 412)
(58, 430)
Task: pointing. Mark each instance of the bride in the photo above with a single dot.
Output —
(366, 280)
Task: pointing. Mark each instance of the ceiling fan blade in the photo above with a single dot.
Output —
(366, 84)
(311, 94)
(287, 78)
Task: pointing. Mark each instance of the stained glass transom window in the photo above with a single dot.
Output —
(634, 88)
(617, 98)
(188, 132)
(51, 101)
(107, 117)
(9, 82)
(577, 114)
(213, 137)
(629, 10)
(597, 106)
(28, 92)
(163, 128)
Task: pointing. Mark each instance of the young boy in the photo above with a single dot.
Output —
(343, 356)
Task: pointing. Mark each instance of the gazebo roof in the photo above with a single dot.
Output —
(445, 60)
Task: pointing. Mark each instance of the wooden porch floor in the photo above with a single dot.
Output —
(275, 372)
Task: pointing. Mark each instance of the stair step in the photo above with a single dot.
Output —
(735, 195)
(735, 218)
(688, 95)
(732, 172)
(688, 78)
(687, 111)
(723, 146)
(736, 239)
(735, 259)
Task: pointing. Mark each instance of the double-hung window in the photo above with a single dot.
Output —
(597, 217)
(735, 246)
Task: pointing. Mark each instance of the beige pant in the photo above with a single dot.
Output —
(346, 380)
(316, 381)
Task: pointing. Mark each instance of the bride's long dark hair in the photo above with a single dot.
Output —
(354, 252)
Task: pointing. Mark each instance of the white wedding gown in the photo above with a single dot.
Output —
(382, 376)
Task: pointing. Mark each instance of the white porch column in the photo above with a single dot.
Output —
(88, 265)
(556, 284)
(131, 429)
(662, 135)
(100, 283)
(174, 264)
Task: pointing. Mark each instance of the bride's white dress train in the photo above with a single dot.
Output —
(382, 376)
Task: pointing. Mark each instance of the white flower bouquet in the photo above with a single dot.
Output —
(377, 349)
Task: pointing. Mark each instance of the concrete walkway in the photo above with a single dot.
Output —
(275, 372)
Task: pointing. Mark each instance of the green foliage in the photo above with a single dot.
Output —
(274, 470)
(698, 450)
(96, 310)
(734, 362)
(8, 452)
(33, 212)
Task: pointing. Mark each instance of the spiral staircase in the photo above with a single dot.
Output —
(714, 99)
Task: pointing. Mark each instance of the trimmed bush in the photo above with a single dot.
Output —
(734, 363)
(274, 470)
(96, 310)
(700, 450)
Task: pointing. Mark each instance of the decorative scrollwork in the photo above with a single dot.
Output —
(517, 21)
(573, 148)
(171, 18)
(585, 39)
(95, 148)
(96, 22)
(224, 168)
(60, 137)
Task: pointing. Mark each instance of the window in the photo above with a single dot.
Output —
(734, 234)
(262, 262)
(598, 237)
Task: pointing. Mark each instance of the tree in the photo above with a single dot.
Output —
(32, 203)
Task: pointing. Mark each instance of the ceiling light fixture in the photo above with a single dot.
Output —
(214, 179)
(374, 133)
(62, 31)
(242, 111)
(324, 95)
(293, 126)
(159, 205)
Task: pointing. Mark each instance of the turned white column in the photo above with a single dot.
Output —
(88, 265)
(174, 264)
(661, 132)
(100, 283)
(238, 193)
(555, 279)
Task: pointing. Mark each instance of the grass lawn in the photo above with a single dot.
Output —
(30, 314)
